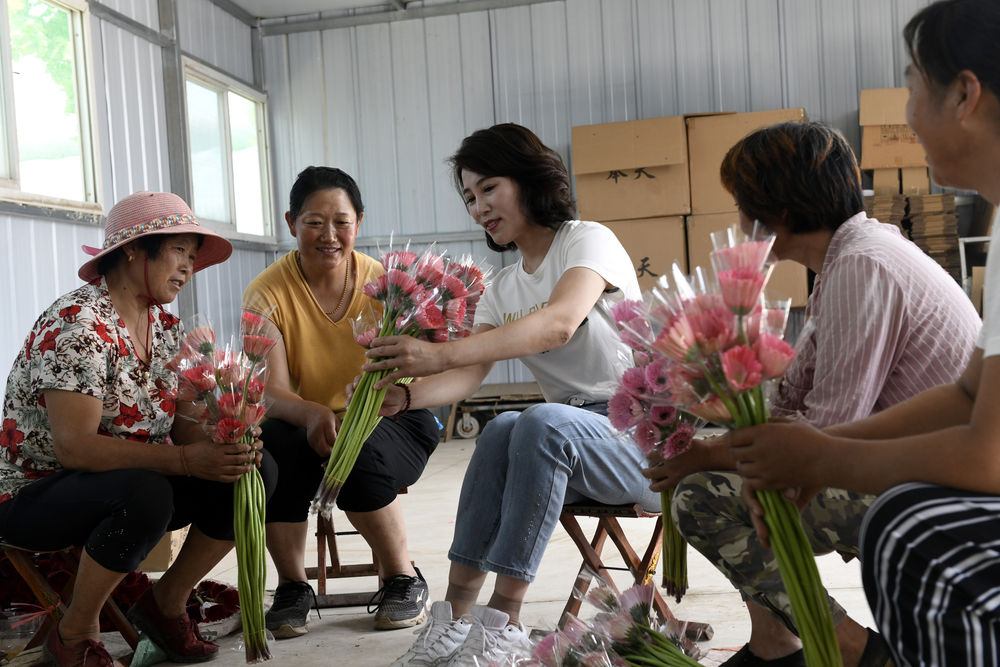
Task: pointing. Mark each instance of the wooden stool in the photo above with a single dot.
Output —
(608, 526)
(326, 540)
(50, 600)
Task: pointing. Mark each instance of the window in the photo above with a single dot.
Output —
(229, 181)
(46, 141)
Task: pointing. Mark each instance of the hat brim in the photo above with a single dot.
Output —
(214, 249)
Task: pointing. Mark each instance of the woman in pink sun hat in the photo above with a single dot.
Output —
(92, 455)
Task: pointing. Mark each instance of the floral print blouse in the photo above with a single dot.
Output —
(80, 344)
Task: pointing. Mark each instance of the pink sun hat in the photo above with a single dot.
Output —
(145, 213)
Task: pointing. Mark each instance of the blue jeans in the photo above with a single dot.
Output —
(525, 467)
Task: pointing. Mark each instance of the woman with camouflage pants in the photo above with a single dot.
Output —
(872, 339)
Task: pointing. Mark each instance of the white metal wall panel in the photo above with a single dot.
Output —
(764, 55)
(377, 173)
(446, 120)
(142, 11)
(218, 38)
(411, 106)
(281, 116)
(220, 288)
(41, 263)
(727, 29)
(839, 62)
(132, 131)
(340, 85)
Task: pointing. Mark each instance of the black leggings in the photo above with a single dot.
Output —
(120, 515)
(394, 456)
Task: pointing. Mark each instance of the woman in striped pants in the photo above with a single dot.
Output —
(930, 544)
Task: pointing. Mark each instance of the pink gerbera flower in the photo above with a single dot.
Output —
(634, 381)
(749, 255)
(365, 338)
(676, 339)
(252, 323)
(398, 259)
(774, 354)
(229, 404)
(679, 441)
(201, 339)
(647, 435)
(257, 347)
(741, 289)
(662, 415)
(201, 377)
(229, 430)
(711, 409)
(255, 390)
(657, 376)
(253, 414)
(624, 410)
(742, 369)
(714, 329)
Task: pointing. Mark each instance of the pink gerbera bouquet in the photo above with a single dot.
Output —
(644, 408)
(426, 296)
(226, 386)
(722, 348)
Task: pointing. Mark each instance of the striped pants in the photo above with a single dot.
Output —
(931, 571)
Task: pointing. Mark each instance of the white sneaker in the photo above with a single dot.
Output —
(491, 638)
(437, 640)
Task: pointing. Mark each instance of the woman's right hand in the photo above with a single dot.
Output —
(219, 462)
(321, 429)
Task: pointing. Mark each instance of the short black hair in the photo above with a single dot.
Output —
(803, 176)
(314, 179)
(947, 37)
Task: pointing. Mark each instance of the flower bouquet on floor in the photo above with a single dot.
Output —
(226, 386)
(621, 633)
(724, 348)
(425, 296)
(644, 409)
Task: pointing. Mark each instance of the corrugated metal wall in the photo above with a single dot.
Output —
(389, 102)
(41, 256)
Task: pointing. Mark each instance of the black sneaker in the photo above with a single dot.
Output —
(402, 602)
(289, 612)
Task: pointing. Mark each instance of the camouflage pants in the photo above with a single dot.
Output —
(710, 512)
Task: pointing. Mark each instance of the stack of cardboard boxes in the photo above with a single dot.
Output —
(888, 146)
(656, 184)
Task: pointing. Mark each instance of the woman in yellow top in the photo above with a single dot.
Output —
(315, 292)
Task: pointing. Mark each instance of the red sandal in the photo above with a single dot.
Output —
(178, 637)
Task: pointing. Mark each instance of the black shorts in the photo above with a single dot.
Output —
(393, 457)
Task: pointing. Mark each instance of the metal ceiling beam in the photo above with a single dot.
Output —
(392, 15)
(236, 11)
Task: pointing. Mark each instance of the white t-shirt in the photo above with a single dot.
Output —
(989, 335)
(588, 367)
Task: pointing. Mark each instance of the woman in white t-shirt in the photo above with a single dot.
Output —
(550, 310)
(930, 562)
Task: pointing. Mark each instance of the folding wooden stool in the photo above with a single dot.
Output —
(50, 600)
(608, 526)
(326, 540)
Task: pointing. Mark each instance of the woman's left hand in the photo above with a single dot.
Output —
(406, 357)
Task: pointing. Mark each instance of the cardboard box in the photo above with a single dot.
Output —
(886, 140)
(654, 244)
(916, 181)
(885, 181)
(165, 551)
(709, 139)
(634, 169)
(788, 279)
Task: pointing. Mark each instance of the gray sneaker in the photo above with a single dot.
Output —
(402, 602)
(289, 612)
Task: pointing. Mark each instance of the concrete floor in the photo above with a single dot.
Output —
(345, 636)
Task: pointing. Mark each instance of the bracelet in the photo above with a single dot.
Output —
(184, 462)
(406, 390)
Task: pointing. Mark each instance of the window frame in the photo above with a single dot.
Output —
(204, 75)
(10, 185)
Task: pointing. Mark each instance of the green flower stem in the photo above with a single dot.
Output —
(674, 552)
(248, 525)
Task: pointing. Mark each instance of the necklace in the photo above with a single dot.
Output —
(343, 295)
(347, 280)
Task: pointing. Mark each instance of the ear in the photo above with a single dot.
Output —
(290, 223)
(968, 92)
(361, 216)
